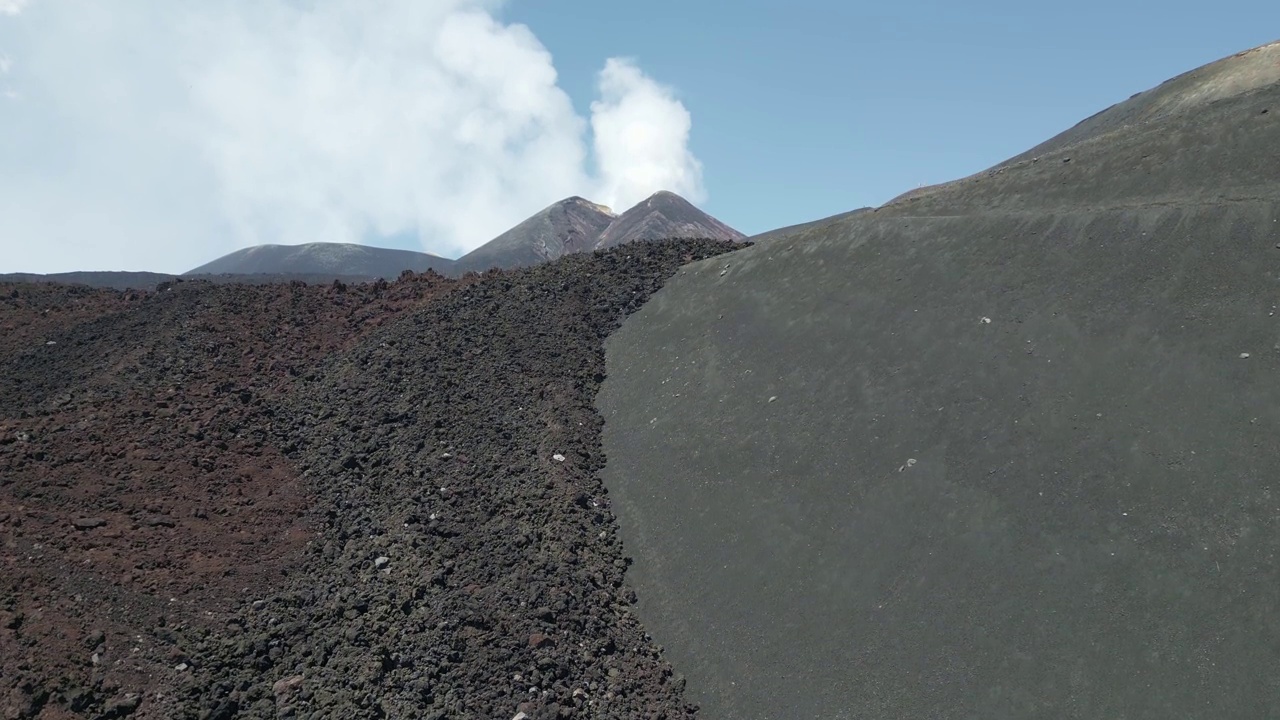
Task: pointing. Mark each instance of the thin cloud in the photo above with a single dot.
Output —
(158, 136)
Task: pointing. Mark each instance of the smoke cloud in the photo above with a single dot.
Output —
(161, 135)
(641, 138)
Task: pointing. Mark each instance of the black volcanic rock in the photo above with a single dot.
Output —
(379, 501)
(664, 215)
(324, 259)
(569, 226)
(1002, 448)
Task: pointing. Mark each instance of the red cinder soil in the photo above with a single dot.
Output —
(138, 492)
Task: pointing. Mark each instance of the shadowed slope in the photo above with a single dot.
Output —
(1003, 449)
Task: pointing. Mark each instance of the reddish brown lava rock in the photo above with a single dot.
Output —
(139, 492)
(351, 484)
(540, 640)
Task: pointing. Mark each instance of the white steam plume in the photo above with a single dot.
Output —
(641, 138)
(12, 7)
(161, 135)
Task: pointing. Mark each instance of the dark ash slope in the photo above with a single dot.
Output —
(792, 230)
(1004, 448)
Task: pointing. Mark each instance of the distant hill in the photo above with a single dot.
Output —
(664, 215)
(267, 278)
(578, 225)
(149, 281)
(114, 280)
(569, 226)
(324, 259)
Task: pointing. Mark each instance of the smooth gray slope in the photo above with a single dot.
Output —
(337, 259)
(1190, 92)
(1008, 449)
(569, 226)
(664, 215)
(1119, 152)
(790, 230)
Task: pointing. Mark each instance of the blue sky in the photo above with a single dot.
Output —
(810, 108)
(161, 135)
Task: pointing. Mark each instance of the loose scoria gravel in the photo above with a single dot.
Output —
(465, 562)
(153, 517)
(140, 492)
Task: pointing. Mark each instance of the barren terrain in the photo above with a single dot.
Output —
(379, 500)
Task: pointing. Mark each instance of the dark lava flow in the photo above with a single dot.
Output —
(322, 502)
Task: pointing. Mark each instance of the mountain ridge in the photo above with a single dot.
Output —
(662, 215)
(564, 227)
(572, 225)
